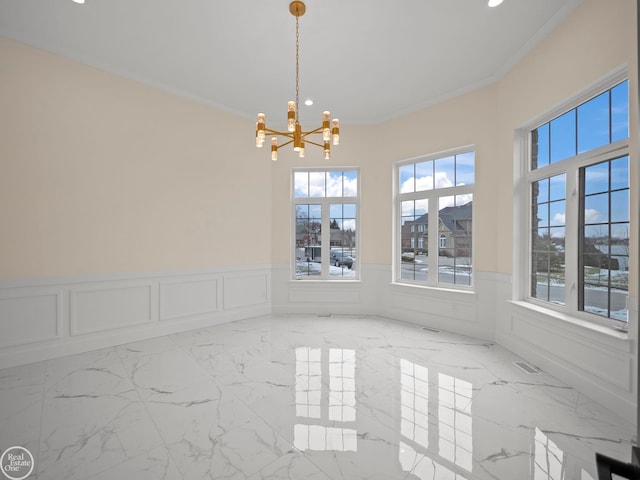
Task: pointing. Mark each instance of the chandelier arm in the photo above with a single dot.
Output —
(311, 132)
(268, 131)
(314, 143)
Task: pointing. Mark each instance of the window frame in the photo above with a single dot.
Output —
(525, 176)
(433, 196)
(325, 234)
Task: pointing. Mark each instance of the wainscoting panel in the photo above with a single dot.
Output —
(189, 297)
(304, 291)
(109, 308)
(243, 290)
(29, 316)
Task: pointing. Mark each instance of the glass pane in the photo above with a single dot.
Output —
(548, 244)
(541, 215)
(350, 184)
(620, 206)
(421, 207)
(414, 240)
(540, 275)
(301, 184)
(407, 208)
(342, 238)
(557, 189)
(317, 185)
(334, 184)
(596, 236)
(455, 239)
(563, 136)
(596, 209)
(335, 210)
(462, 271)
(596, 178)
(620, 112)
(593, 123)
(620, 234)
(619, 173)
(308, 240)
(541, 240)
(315, 212)
(445, 172)
(424, 176)
(407, 178)
(540, 147)
(557, 213)
(465, 168)
(349, 210)
(557, 235)
(541, 191)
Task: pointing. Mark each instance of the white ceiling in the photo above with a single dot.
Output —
(365, 60)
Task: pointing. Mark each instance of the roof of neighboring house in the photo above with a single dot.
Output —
(449, 216)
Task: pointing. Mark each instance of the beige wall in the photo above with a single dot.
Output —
(101, 174)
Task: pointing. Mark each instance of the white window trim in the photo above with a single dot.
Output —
(325, 226)
(524, 177)
(433, 243)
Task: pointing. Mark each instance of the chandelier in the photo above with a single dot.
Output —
(330, 129)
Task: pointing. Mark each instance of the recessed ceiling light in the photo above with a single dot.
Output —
(494, 3)
(308, 102)
(79, 1)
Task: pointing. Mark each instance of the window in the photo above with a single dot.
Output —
(438, 187)
(578, 190)
(325, 214)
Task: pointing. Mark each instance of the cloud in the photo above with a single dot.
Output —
(442, 180)
(591, 215)
(349, 225)
(558, 219)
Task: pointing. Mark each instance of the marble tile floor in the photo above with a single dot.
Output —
(304, 397)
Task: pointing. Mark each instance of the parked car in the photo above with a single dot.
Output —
(340, 259)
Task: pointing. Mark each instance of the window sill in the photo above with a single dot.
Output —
(585, 327)
(436, 289)
(351, 281)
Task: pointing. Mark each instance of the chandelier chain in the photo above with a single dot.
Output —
(297, 66)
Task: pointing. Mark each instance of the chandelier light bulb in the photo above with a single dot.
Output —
(260, 130)
(291, 116)
(335, 131)
(326, 130)
(274, 148)
(327, 151)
